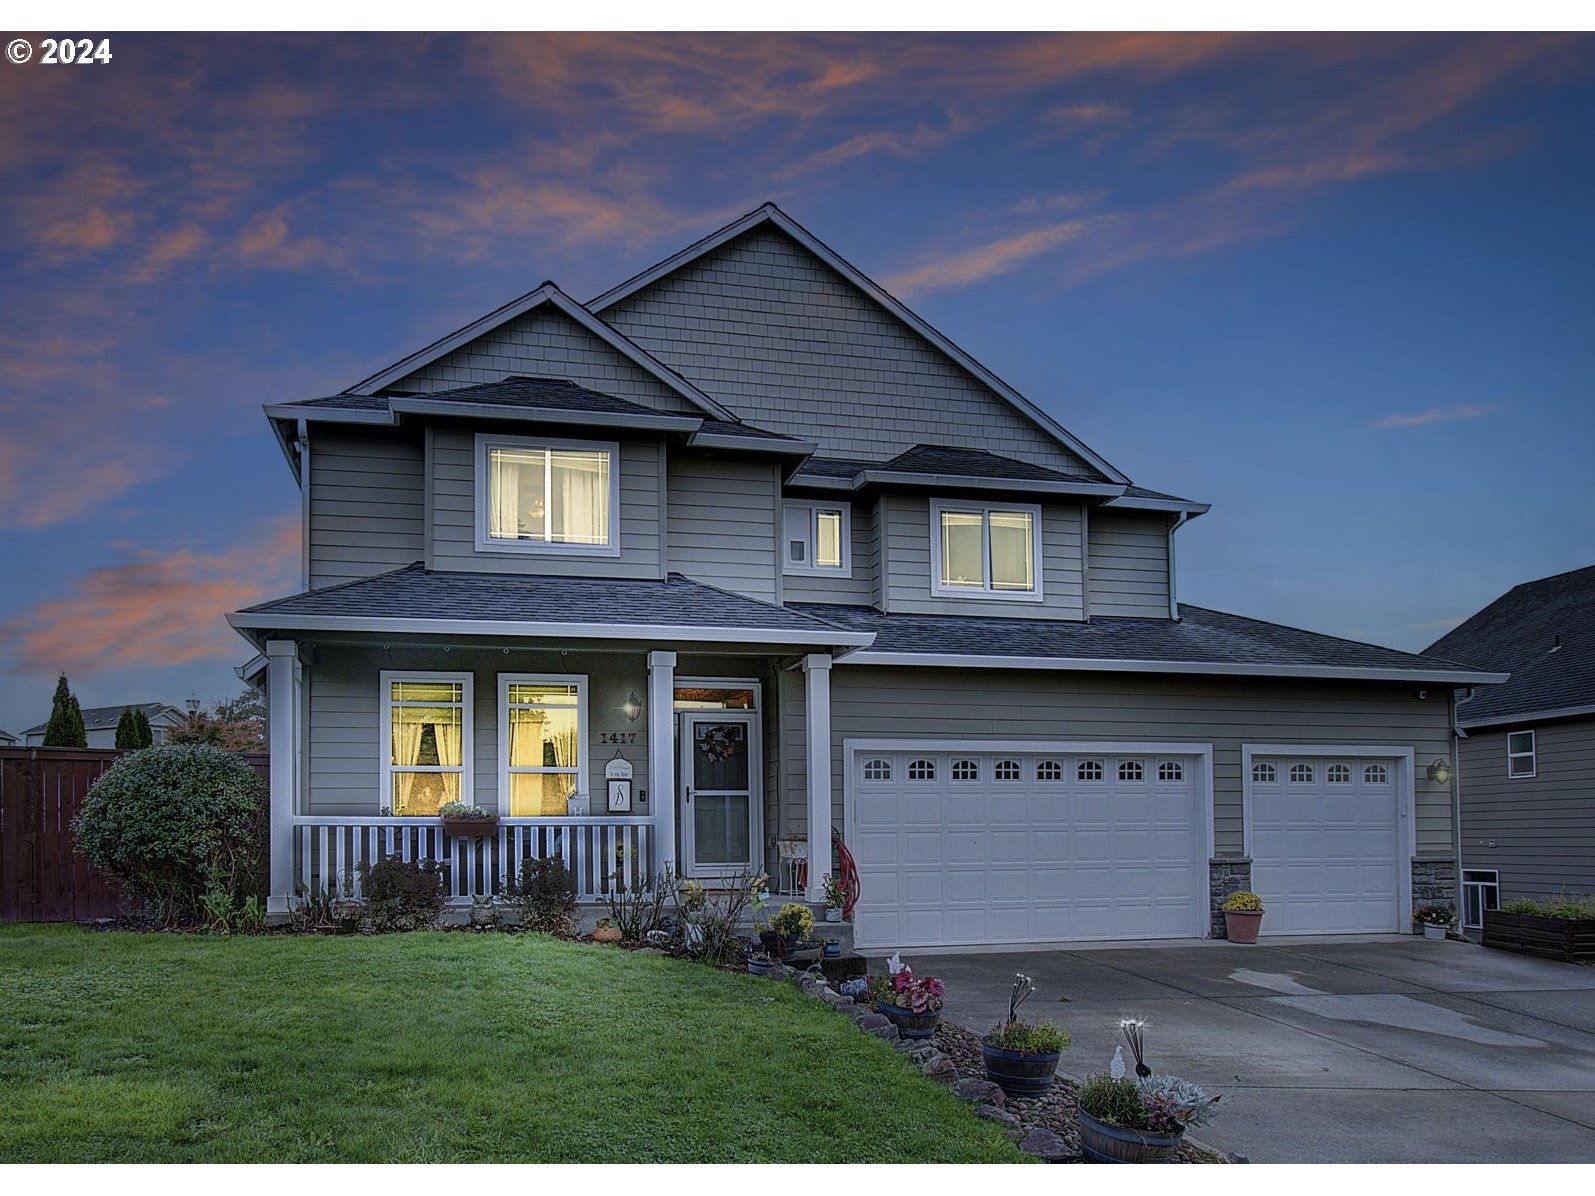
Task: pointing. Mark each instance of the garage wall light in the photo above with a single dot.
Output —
(1440, 773)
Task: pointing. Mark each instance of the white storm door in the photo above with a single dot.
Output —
(721, 811)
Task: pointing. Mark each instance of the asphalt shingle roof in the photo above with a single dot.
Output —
(1543, 633)
(418, 593)
(98, 718)
(554, 394)
(1201, 636)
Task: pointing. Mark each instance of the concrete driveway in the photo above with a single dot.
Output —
(1391, 1050)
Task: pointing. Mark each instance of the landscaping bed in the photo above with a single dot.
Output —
(1554, 936)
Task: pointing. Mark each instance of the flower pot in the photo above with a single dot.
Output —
(606, 934)
(764, 967)
(469, 828)
(909, 1024)
(1240, 926)
(1019, 1073)
(833, 914)
(833, 951)
(779, 946)
(1103, 1142)
(1431, 931)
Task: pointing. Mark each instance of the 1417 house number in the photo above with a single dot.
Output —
(617, 737)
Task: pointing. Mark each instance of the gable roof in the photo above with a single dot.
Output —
(101, 718)
(1543, 633)
(550, 294)
(772, 215)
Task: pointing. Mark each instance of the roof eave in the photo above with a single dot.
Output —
(752, 444)
(953, 481)
(1528, 716)
(330, 415)
(544, 415)
(1173, 505)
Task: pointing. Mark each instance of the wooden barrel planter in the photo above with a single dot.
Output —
(1101, 1142)
(1571, 940)
(1018, 1073)
(764, 967)
(909, 1024)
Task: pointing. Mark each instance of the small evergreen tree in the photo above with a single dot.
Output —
(146, 733)
(126, 730)
(65, 728)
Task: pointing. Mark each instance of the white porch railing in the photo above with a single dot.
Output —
(602, 854)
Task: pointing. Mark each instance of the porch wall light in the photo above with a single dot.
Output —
(1440, 773)
(632, 707)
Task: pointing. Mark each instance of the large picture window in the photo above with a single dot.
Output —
(985, 551)
(426, 740)
(542, 738)
(546, 496)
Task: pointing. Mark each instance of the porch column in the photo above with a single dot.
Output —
(662, 755)
(817, 725)
(282, 663)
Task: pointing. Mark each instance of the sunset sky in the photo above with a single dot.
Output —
(1341, 287)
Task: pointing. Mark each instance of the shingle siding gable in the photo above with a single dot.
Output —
(778, 336)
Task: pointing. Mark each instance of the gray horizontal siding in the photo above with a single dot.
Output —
(452, 478)
(906, 567)
(722, 520)
(1543, 826)
(858, 588)
(366, 504)
(1128, 573)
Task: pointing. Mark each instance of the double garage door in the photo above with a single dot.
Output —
(960, 848)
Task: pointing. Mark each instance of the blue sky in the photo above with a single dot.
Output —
(1339, 286)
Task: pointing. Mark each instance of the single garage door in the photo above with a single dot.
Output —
(957, 848)
(1325, 843)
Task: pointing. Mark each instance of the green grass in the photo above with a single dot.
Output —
(438, 1047)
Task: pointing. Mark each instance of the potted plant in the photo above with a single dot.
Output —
(832, 949)
(466, 821)
(606, 932)
(1020, 1058)
(1140, 1119)
(911, 1003)
(1435, 920)
(1243, 914)
(760, 964)
(791, 925)
(835, 898)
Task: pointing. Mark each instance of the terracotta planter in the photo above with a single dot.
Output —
(469, 828)
(1102, 1142)
(606, 934)
(909, 1024)
(1240, 926)
(1018, 1073)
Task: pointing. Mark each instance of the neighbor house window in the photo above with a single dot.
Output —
(426, 740)
(546, 496)
(816, 538)
(985, 552)
(1520, 754)
(541, 732)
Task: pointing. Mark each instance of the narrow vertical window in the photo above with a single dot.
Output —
(426, 731)
(542, 733)
(1520, 761)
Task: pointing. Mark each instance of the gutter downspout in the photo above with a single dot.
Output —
(1180, 521)
(302, 438)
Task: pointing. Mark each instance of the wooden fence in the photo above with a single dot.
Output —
(42, 876)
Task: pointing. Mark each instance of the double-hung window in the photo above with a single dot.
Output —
(985, 551)
(816, 537)
(542, 742)
(547, 496)
(426, 740)
(1520, 760)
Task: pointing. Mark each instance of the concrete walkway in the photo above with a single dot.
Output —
(1382, 1050)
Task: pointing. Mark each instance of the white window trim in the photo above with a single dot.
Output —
(467, 772)
(486, 543)
(938, 506)
(788, 565)
(1532, 755)
(1470, 879)
(583, 730)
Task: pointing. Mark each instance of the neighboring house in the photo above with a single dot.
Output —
(752, 535)
(1526, 752)
(9, 740)
(100, 723)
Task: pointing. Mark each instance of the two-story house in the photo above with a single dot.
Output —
(743, 551)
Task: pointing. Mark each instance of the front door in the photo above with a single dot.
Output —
(721, 807)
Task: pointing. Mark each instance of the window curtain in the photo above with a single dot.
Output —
(581, 498)
(406, 751)
(504, 497)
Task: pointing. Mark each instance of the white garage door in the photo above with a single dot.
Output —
(956, 848)
(1325, 843)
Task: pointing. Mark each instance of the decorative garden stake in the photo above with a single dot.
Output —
(1134, 1031)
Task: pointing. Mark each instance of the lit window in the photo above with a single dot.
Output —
(877, 770)
(1375, 774)
(426, 731)
(1301, 774)
(1171, 770)
(1006, 770)
(816, 539)
(966, 770)
(1264, 773)
(985, 552)
(1338, 774)
(552, 496)
(1049, 770)
(1520, 760)
(1089, 770)
(541, 732)
(922, 770)
(1131, 770)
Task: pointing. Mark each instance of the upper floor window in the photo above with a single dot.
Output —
(980, 551)
(1520, 760)
(426, 740)
(536, 495)
(815, 537)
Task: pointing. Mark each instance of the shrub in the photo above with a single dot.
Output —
(1243, 902)
(1118, 1102)
(65, 728)
(1041, 1039)
(793, 921)
(1435, 915)
(544, 895)
(401, 894)
(466, 812)
(638, 907)
(133, 730)
(1185, 1101)
(173, 824)
(710, 926)
(1563, 905)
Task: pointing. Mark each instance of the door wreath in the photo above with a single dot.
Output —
(719, 742)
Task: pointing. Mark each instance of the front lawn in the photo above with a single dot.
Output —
(439, 1047)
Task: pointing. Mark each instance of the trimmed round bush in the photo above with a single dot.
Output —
(176, 825)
